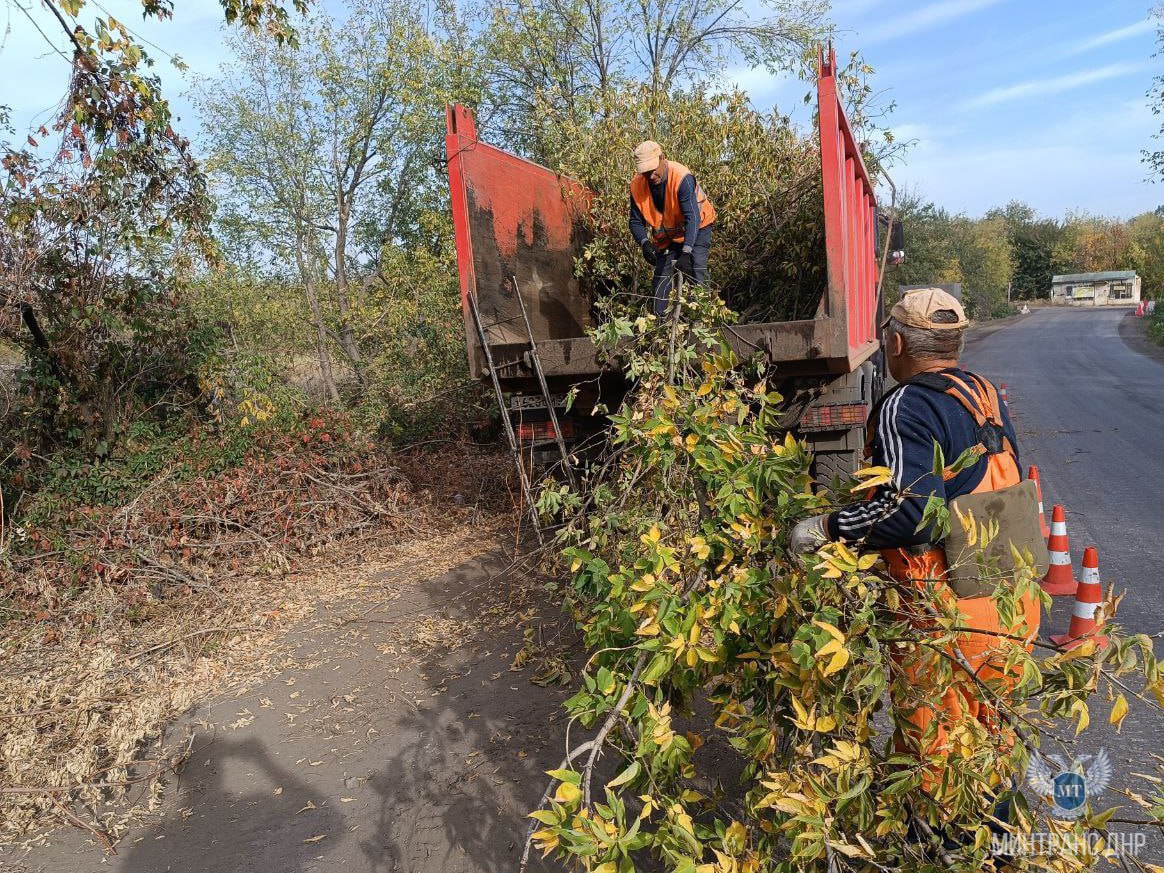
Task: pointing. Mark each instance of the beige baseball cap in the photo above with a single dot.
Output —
(647, 156)
(917, 308)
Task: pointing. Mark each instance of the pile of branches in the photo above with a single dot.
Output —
(715, 654)
(194, 527)
(116, 618)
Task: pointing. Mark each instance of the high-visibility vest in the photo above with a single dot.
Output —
(980, 399)
(669, 225)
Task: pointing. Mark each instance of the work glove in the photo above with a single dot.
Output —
(808, 535)
(685, 264)
(650, 253)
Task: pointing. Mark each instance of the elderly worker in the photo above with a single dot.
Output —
(935, 402)
(670, 218)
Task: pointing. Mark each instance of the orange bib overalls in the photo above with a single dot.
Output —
(925, 730)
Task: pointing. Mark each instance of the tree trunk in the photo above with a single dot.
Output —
(325, 371)
(347, 333)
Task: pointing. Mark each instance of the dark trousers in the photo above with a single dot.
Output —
(665, 267)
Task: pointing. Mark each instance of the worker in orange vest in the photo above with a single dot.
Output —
(670, 218)
(935, 402)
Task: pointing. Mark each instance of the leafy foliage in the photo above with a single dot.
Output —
(713, 652)
(763, 176)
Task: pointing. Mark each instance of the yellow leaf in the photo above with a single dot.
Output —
(547, 839)
(831, 630)
(649, 627)
(691, 442)
(1079, 708)
(844, 553)
(606, 867)
(829, 648)
(644, 584)
(840, 659)
(825, 723)
(803, 720)
(567, 793)
(872, 483)
(1118, 712)
(728, 555)
(704, 389)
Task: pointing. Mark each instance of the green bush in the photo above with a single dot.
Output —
(1156, 325)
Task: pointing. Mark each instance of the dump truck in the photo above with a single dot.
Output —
(520, 226)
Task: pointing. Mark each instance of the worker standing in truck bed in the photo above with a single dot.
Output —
(671, 219)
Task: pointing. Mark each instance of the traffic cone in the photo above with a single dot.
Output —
(1088, 599)
(1060, 579)
(1002, 395)
(1033, 475)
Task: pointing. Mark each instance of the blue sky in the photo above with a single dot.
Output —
(1035, 100)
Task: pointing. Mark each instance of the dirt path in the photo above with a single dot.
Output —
(403, 740)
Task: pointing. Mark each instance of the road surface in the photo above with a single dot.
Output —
(1089, 411)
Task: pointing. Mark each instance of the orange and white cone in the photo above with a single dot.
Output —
(1033, 475)
(1002, 395)
(1088, 599)
(1060, 579)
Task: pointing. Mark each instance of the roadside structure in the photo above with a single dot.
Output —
(1113, 288)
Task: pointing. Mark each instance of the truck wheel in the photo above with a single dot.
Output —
(829, 466)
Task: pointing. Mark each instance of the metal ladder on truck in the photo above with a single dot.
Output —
(535, 362)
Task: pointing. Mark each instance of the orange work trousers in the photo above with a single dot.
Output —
(985, 652)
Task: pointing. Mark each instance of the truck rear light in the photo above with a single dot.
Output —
(837, 416)
(533, 431)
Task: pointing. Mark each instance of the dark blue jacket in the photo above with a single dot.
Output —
(909, 419)
(688, 202)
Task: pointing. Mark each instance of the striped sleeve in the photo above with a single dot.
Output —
(907, 428)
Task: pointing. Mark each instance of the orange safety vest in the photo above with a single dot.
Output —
(668, 226)
(920, 567)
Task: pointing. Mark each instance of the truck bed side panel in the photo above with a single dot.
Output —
(850, 227)
(513, 218)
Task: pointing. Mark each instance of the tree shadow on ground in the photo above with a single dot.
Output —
(473, 741)
(243, 816)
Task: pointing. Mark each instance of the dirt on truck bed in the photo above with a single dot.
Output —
(404, 731)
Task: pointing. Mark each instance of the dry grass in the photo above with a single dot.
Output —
(87, 691)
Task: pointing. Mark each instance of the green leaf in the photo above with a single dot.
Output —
(656, 669)
(628, 775)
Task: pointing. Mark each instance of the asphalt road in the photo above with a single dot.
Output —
(1089, 411)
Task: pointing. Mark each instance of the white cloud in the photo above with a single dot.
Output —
(1054, 85)
(923, 19)
(1087, 159)
(1113, 36)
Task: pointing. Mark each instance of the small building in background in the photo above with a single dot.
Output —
(1115, 288)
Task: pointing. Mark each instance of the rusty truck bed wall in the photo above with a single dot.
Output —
(514, 217)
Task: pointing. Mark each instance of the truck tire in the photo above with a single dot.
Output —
(830, 466)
